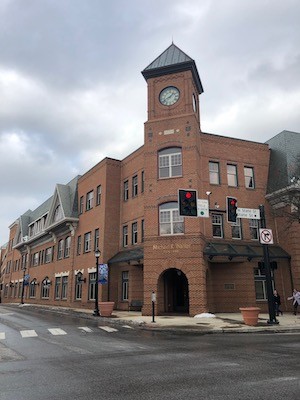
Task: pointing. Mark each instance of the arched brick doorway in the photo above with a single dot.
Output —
(176, 291)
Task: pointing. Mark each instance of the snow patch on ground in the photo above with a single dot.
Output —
(205, 315)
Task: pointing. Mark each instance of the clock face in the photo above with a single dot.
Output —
(169, 96)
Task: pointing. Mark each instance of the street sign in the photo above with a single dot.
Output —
(266, 236)
(203, 208)
(250, 213)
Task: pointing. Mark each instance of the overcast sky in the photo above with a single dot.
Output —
(71, 91)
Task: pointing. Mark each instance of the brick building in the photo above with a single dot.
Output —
(129, 210)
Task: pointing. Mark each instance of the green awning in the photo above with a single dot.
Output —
(136, 254)
(247, 250)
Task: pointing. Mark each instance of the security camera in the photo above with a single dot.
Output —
(208, 193)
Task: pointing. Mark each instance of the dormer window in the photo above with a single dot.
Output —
(57, 213)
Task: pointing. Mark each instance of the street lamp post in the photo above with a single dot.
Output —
(96, 311)
(23, 286)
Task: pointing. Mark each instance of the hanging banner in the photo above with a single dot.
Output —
(103, 274)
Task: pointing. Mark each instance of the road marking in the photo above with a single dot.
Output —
(2, 335)
(85, 328)
(57, 331)
(127, 326)
(108, 329)
(28, 333)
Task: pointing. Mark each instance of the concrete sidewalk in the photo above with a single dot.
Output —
(220, 323)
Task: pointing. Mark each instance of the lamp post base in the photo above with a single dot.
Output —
(96, 313)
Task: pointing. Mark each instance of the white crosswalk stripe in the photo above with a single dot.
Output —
(2, 335)
(108, 329)
(28, 333)
(85, 328)
(57, 331)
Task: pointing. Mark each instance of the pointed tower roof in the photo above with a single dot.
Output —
(172, 60)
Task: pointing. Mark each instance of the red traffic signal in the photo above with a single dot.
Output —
(231, 208)
(187, 200)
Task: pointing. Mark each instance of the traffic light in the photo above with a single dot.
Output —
(231, 208)
(187, 200)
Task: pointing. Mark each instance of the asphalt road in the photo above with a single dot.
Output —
(59, 357)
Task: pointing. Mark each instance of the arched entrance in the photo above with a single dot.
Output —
(176, 292)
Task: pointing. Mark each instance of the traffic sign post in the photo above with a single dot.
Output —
(272, 317)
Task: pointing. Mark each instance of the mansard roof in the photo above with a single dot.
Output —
(284, 166)
(172, 60)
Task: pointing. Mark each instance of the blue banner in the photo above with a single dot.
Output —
(103, 274)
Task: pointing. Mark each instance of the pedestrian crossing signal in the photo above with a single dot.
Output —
(187, 200)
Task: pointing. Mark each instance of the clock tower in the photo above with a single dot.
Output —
(172, 251)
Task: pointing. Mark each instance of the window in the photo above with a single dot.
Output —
(260, 283)
(92, 286)
(125, 236)
(96, 239)
(214, 173)
(126, 191)
(170, 162)
(249, 177)
(217, 225)
(134, 186)
(134, 233)
(98, 195)
(60, 250)
(125, 281)
(78, 286)
(170, 222)
(143, 182)
(253, 226)
(57, 213)
(81, 205)
(64, 287)
(236, 229)
(67, 246)
(48, 257)
(87, 242)
(89, 200)
(232, 175)
(57, 287)
(79, 245)
(45, 289)
(32, 288)
(142, 230)
(35, 259)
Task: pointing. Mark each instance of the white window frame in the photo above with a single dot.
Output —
(125, 285)
(232, 178)
(249, 177)
(170, 163)
(87, 242)
(214, 173)
(170, 222)
(134, 233)
(98, 195)
(89, 200)
(60, 250)
(67, 247)
(217, 221)
(135, 185)
(236, 229)
(254, 229)
(125, 235)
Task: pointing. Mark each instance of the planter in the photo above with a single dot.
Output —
(250, 315)
(106, 308)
